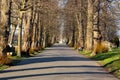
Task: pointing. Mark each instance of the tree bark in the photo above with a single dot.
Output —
(27, 33)
(104, 15)
(4, 33)
(79, 19)
(34, 40)
(44, 37)
(96, 30)
(89, 34)
(20, 34)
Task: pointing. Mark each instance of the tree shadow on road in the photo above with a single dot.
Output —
(50, 67)
(53, 74)
(33, 60)
(52, 59)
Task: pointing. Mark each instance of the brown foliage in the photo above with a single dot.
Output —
(5, 60)
(31, 51)
(100, 47)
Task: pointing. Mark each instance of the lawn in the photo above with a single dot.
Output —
(110, 60)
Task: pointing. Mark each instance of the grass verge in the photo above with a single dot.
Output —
(110, 60)
(17, 59)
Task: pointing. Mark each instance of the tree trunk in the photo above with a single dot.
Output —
(27, 33)
(20, 35)
(80, 41)
(96, 31)
(3, 33)
(38, 31)
(45, 37)
(73, 36)
(9, 15)
(35, 29)
(53, 39)
(34, 40)
(104, 15)
(89, 34)
(41, 34)
(79, 19)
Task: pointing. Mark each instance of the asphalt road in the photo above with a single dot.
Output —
(57, 63)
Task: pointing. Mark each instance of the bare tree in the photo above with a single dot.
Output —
(4, 33)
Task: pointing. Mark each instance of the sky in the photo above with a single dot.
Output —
(62, 3)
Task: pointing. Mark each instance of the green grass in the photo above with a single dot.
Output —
(38, 52)
(2, 67)
(16, 60)
(110, 60)
(86, 53)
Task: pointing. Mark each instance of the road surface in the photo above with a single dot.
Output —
(57, 63)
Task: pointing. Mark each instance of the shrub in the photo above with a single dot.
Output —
(5, 60)
(100, 47)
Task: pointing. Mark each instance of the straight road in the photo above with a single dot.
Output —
(57, 63)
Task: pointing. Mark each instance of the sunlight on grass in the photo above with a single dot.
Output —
(86, 53)
(110, 60)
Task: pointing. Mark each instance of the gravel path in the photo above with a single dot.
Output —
(57, 63)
